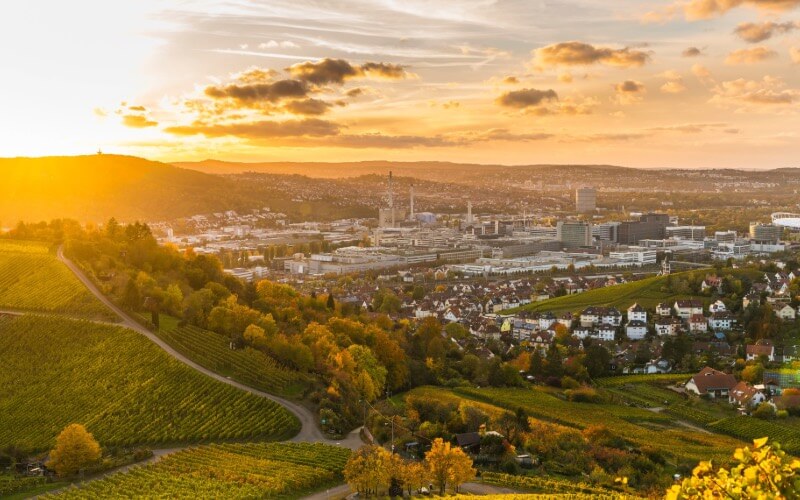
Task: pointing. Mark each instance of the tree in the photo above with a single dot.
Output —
(75, 449)
(448, 465)
(368, 469)
(413, 475)
(766, 471)
(331, 303)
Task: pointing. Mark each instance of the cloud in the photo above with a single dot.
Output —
(750, 56)
(565, 77)
(758, 32)
(260, 129)
(584, 54)
(337, 71)
(769, 91)
(692, 52)
(794, 53)
(692, 128)
(696, 10)
(273, 44)
(673, 87)
(629, 92)
(511, 80)
(138, 121)
(525, 98)
(259, 92)
(703, 74)
(307, 107)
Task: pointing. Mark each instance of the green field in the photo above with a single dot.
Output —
(261, 470)
(246, 365)
(32, 279)
(122, 387)
(648, 292)
(637, 425)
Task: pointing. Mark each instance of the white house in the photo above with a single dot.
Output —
(746, 396)
(605, 332)
(721, 321)
(668, 326)
(760, 348)
(786, 313)
(698, 324)
(717, 306)
(663, 309)
(686, 308)
(637, 313)
(636, 330)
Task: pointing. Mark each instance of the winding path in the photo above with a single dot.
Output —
(309, 432)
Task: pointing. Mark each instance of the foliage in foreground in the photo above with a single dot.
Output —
(252, 470)
(766, 471)
(122, 387)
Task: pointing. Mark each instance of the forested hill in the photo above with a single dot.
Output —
(92, 188)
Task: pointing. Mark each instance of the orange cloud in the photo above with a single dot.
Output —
(758, 32)
(336, 71)
(138, 121)
(584, 54)
(750, 56)
(526, 98)
(695, 10)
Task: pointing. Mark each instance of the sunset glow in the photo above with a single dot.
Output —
(637, 83)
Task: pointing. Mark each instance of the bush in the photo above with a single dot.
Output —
(568, 382)
(583, 395)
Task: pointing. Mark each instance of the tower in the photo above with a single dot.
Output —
(391, 198)
(469, 212)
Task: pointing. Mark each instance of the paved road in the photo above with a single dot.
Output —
(309, 432)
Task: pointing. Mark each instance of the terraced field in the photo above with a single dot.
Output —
(248, 366)
(640, 426)
(230, 471)
(32, 279)
(125, 389)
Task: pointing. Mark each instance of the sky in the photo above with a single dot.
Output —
(652, 84)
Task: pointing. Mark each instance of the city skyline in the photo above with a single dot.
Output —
(688, 84)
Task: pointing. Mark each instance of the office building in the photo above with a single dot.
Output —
(767, 233)
(697, 233)
(585, 200)
(574, 233)
(648, 227)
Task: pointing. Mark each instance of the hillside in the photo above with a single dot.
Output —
(94, 188)
(122, 387)
(32, 279)
(647, 293)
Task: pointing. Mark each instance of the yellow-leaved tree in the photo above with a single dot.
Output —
(368, 470)
(766, 471)
(75, 449)
(448, 466)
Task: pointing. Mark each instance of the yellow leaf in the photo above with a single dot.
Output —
(758, 443)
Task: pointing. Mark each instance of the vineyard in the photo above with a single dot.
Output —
(536, 484)
(248, 366)
(637, 425)
(252, 470)
(32, 279)
(125, 390)
(749, 428)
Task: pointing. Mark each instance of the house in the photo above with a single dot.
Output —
(657, 366)
(611, 317)
(637, 313)
(566, 319)
(663, 309)
(750, 298)
(712, 383)
(717, 306)
(698, 324)
(761, 348)
(686, 308)
(546, 320)
(469, 441)
(745, 395)
(591, 316)
(636, 330)
(668, 326)
(581, 332)
(786, 313)
(721, 321)
(713, 283)
(605, 332)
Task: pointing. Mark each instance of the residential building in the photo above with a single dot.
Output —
(685, 309)
(761, 348)
(637, 313)
(721, 321)
(636, 330)
(711, 382)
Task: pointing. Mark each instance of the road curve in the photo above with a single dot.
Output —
(309, 432)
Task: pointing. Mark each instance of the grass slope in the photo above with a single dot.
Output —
(648, 292)
(124, 388)
(33, 279)
(248, 366)
(274, 470)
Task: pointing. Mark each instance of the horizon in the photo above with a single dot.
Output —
(684, 84)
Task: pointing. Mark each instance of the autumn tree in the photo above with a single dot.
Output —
(75, 449)
(448, 466)
(766, 471)
(368, 469)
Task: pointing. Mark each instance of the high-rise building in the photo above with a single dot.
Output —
(585, 199)
(606, 231)
(574, 233)
(648, 227)
(697, 233)
(768, 233)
